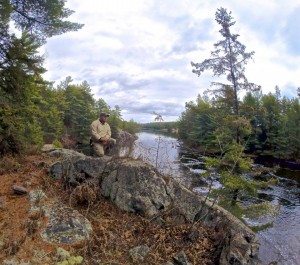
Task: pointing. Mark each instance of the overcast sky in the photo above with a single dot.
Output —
(137, 53)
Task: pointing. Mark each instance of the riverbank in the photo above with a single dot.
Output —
(279, 240)
(266, 160)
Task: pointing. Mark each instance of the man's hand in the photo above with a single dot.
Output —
(104, 140)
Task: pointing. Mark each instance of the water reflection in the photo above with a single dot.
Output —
(160, 151)
(166, 154)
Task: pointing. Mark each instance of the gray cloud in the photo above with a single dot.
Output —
(163, 108)
(192, 35)
(126, 82)
(140, 58)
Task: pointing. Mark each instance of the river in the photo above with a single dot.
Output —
(281, 241)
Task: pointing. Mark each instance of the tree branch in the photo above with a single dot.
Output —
(31, 18)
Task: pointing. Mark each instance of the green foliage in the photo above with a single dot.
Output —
(262, 227)
(24, 97)
(266, 184)
(234, 158)
(235, 182)
(52, 105)
(212, 162)
(292, 127)
(267, 125)
(255, 211)
(260, 124)
(43, 18)
(101, 106)
(231, 164)
(33, 134)
(263, 209)
(197, 124)
(79, 112)
(131, 126)
(235, 209)
(57, 143)
(36, 20)
(115, 120)
(32, 111)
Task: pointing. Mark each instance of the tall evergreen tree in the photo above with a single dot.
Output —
(42, 18)
(252, 110)
(198, 123)
(115, 120)
(293, 128)
(79, 112)
(229, 58)
(101, 106)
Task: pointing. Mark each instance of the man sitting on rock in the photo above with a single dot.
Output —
(101, 140)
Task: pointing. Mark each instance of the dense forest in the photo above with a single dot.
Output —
(60, 115)
(269, 124)
(32, 110)
(169, 127)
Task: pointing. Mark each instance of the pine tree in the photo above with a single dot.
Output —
(21, 66)
(79, 112)
(232, 132)
(229, 58)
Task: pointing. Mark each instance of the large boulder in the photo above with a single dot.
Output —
(137, 187)
(74, 167)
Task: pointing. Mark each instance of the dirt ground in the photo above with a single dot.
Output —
(114, 232)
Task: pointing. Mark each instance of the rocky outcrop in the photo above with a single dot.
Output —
(124, 145)
(137, 187)
(76, 167)
(64, 224)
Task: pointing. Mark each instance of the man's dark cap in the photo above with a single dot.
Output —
(104, 114)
